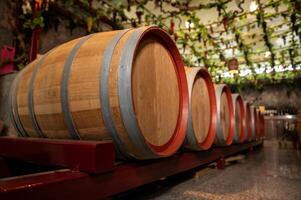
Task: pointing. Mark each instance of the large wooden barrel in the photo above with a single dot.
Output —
(239, 115)
(253, 122)
(201, 129)
(248, 121)
(225, 115)
(127, 85)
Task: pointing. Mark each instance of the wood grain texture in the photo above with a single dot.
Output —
(253, 122)
(225, 115)
(201, 112)
(256, 123)
(202, 121)
(239, 115)
(114, 98)
(248, 130)
(238, 118)
(155, 92)
(84, 87)
(22, 101)
(298, 128)
(46, 93)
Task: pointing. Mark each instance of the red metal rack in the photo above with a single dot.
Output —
(86, 170)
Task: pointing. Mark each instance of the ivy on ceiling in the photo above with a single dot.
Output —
(249, 36)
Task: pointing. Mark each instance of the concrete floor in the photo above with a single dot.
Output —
(271, 173)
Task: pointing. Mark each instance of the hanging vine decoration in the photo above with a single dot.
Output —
(241, 46)
(294, 9)
(246, 53)
(262, 22)
(20, 40)
(253, 35)
(204, 44)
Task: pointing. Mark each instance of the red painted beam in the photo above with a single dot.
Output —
(4, 169)
(34, 44)
(78, 185)
(35, 35)
(87, 156)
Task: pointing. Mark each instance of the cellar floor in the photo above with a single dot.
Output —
(270, 174)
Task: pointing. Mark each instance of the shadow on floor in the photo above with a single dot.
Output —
(270, 173)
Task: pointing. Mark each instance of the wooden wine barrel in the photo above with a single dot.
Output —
(261, 125)
(257, 124)
(253, 122)
(298, 127)
(248, 121)
(239, 115)
(128, 85)
(201, 129)
(225, 115)
(1, 127)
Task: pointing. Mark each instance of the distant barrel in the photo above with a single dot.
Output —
(261, 125)
(239, 115)
(298, 127)
(128, 85)
(257, 123)
(201, 128)
(248, 121)
(225, 115)
(253, 122)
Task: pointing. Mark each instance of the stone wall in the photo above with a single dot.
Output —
(53, 38)
(6, 38)
(274, 96)
(6, 35)
(48, 39)
(5, 83)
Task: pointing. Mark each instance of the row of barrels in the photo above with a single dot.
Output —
(216, 116)
(129, 86)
